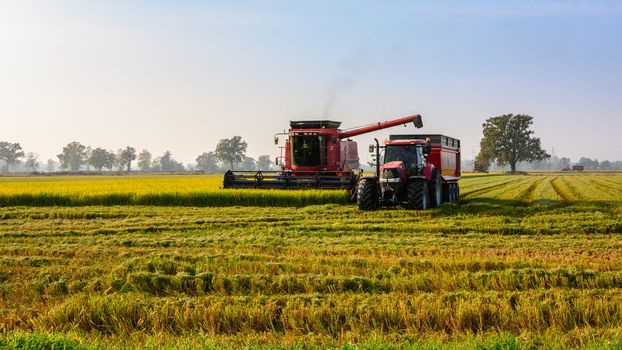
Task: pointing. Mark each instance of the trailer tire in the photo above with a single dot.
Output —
(447, 192)
(418, 198)
(436, 195)
(367, 195)
(457, 192)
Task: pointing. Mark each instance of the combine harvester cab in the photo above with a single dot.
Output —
(419, 171)
(317, 154)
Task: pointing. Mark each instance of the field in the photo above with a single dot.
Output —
(522, 261)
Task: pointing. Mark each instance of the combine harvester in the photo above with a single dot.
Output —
(317, 154)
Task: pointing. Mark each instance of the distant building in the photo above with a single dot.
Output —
(577, 168)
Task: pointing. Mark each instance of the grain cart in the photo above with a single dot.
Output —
(317, 154)
(419, 171)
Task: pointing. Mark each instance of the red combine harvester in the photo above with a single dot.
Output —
(419, 171)
(317, 154)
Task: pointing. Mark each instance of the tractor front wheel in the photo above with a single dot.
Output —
(418, 198)
(367, 195)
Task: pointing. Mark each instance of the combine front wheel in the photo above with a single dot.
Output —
(367, 195)
(418, 195)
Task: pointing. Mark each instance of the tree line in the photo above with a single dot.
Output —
(76, 157)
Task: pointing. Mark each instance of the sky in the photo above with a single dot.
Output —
(181, 75)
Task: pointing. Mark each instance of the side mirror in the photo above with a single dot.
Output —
(276, 140)
(372, 148)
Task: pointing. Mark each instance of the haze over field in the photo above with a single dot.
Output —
(179, 76)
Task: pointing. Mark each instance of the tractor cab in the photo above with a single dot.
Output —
(411, 153)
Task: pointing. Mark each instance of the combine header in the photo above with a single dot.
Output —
(317, 154)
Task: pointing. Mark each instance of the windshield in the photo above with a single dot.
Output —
(306, 150)
(407, 154)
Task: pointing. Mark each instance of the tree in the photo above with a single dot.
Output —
(10, 153)
(564, 162)
(50, 166)
(508, 140)
(248, 164)
(144, 160)
(126, 156)
(231, 150)
(100, 158)
(264, 162)
(73, 156)
(31, 161)
(207, 161)
(588, 164)
(167, 163)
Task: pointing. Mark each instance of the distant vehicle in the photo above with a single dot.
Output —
(577, 168)
(566, 169)
(419, 171)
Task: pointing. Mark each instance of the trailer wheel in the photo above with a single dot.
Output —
(367, 195)
(457, 192)
(436, 196)
(418, 197)
(447, 192)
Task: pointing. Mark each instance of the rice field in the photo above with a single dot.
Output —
(521, 262)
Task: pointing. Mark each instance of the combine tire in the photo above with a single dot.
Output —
(436, 195)
(418, 197)
(367, 195)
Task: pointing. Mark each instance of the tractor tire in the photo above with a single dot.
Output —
(436, 194)
(418, 198)
(367, 195)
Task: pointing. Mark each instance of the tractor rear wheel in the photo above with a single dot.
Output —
(367, 195)
(418, 198)
(436, 195)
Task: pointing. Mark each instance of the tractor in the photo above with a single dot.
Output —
(316, 154)
(418, 171)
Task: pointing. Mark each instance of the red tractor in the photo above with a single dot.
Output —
(419, 171)
(317, 154)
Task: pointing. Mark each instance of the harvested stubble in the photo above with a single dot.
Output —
(520, 262)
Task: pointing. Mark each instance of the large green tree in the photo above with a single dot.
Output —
(73, 157)
(509, 140)
(231, 150)
(10, 153)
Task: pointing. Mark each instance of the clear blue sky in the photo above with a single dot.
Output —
(180, 75)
